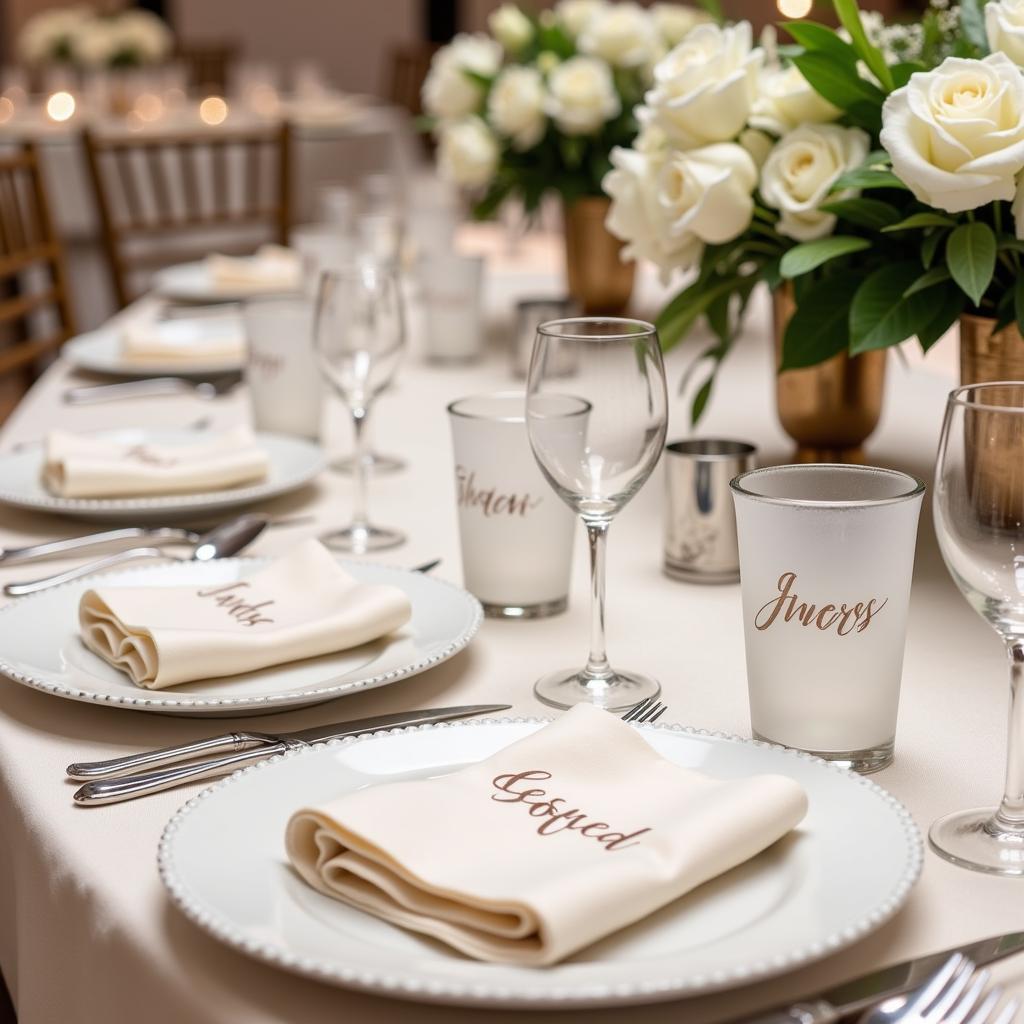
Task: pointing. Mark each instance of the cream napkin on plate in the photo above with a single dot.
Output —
(300, 606)
(543, 848)
(96, 467)
(194, 340)
(271, 268)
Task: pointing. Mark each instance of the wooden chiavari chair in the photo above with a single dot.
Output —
(35, 306)
(165, 199)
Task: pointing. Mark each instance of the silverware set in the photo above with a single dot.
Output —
(149, 386)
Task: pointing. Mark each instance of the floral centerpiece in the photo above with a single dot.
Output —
(538, 105)
(874, 173)
(80, 37)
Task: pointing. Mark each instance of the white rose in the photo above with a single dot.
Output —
(515, 106)
(667, 206)
(801, 169)
(448, 91)
(1004, 26)
(142, 34)
(467, 153)
(48, 35)
(956, 134)
(582, 96)
(757, 144)
(574, 14)
(624, 35)
(705, 87)
(786, 100)
(510, 27)
(95, 44)
(675, 21)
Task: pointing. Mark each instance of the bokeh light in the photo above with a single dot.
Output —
(213, 110)
(60, 106)
(794, 8)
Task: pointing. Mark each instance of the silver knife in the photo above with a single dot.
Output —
(111, 784)
(855, 996)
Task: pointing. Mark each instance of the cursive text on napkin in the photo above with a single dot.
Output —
(550, 809)
(847, 618)
(236, 606)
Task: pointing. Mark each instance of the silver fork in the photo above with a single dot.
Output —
(950, 997)
(88, 394)
(648, 710)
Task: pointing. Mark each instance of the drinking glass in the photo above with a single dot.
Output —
(597, 463)
(979, 521)
(359, 335)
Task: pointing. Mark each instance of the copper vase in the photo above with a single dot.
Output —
(599, 281)
(992, 442)
(830, 409)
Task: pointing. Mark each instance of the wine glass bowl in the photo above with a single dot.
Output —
(597, 462)
(979, 521)
(359, 338)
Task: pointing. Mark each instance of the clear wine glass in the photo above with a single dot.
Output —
(359, 335)
(979, 520)
(597, 462)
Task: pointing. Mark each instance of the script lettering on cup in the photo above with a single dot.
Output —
(490, 500)
(847, 618)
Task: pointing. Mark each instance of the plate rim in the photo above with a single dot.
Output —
(190, 705)
(183, 503)
(75, 351)
(393, 984)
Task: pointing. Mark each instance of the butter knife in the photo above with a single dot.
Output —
(110, 783)
(857, 995)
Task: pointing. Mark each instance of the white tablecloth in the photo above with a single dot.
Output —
(86, 933)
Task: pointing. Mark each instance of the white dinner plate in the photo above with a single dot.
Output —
(191, 282)
(100, 351)
(293, 463)
(848, 868)
(41, 648)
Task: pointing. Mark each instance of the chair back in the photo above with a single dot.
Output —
(172, 198)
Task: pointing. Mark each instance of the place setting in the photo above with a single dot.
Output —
(572, 611)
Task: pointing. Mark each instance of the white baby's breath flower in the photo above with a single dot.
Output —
(515, 106)
(467, 153)
(623, 34)
(448, 91)
(582, 96)
(800, 171)
(547, 61)
(705, 87)
(956, 134)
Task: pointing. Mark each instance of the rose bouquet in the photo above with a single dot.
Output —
(80, 36)
(875, 170)
(539, 104)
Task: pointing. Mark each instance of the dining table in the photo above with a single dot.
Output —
(87, 931)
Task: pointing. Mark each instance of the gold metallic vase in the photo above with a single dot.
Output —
(830, 409)
(986, 355)
(599, 281)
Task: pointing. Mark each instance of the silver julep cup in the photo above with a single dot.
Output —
(530, 313)
(700, 523)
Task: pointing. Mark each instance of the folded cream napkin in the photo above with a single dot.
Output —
(96, 467)
(184, 341)
(272, 268)
(300, 606)
(543, 848)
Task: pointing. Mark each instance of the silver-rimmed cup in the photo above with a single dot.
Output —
(700, 517)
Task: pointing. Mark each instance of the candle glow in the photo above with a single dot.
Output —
(60, 106)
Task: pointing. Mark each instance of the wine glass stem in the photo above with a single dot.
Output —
(359, 467)
(1010, 816)
(597, 663)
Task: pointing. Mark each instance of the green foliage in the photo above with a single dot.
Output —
(820, 328)
(804, 258)
(972, 23)
(883, 314)
(971, 255)
(849, 15)
(872, 214)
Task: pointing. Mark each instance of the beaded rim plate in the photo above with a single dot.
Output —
(847, 869)
(41, 648)
(294, 462)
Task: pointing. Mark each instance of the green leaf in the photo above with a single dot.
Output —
(838, 82)
(922, 220)
(714, 8)
(820, 327)
(928, 279)
(929, 247)
(700, 400)
(803, 258)
(972, 23)
(971, 257)
(1006, 242)
(820, 38)
(849, 15)
(868, 177)
(866, 213)
(901, 72)
(682, 312)
(880, 315)
(1018, 300)
(950, 303)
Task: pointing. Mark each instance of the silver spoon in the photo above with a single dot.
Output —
(221, 542)
(151, 386)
